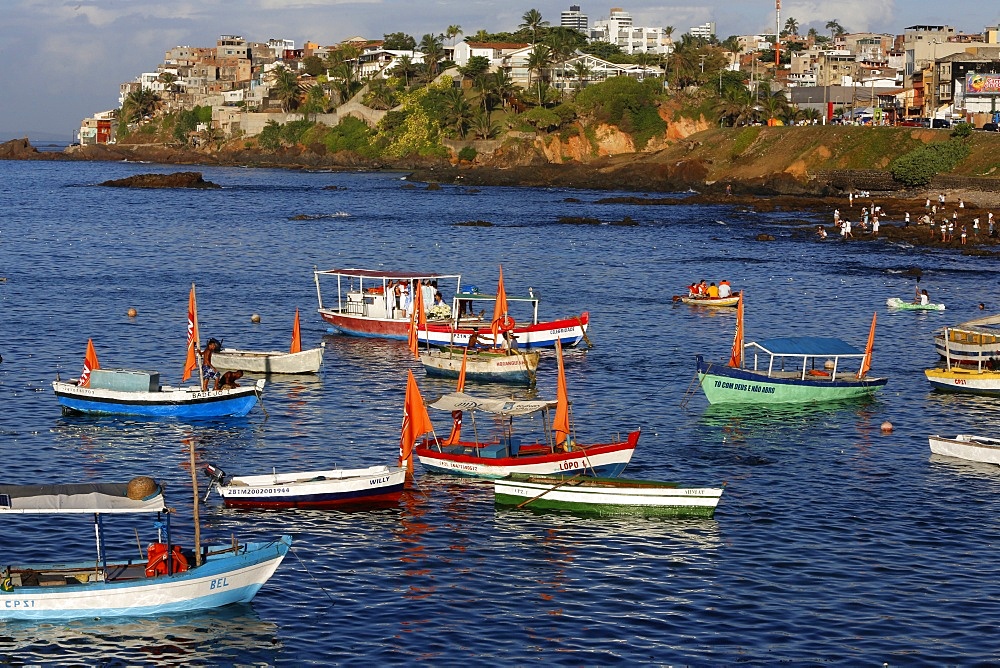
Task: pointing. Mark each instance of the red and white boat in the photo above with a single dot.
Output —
(495, 455)
(367, 305)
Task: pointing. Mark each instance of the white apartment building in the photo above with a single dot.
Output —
(575, 19)
(619, 30)
(705, 30)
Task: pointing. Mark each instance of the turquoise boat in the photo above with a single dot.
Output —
(795, 369)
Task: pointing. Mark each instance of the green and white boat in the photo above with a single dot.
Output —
(903, 305)
(605, 497)
(794, 369)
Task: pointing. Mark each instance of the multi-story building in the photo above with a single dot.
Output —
(705, 30)
(619, 30)
(575, 19)
(919, 44)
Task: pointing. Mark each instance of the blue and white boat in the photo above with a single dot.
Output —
(143, 586)
(121, 392)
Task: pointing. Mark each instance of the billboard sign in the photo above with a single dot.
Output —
(982, 84)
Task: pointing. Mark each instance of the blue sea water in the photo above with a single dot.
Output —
(834, 542)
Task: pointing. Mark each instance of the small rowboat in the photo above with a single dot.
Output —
(251, 361)
(967, 446)
(712, 301)
(903, 305)
(605, 496)
(318, 490)
(498, 366)
(963, 380)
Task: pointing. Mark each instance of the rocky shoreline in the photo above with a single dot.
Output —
(816, 199)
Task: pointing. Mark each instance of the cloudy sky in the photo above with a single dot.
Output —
(63, 61)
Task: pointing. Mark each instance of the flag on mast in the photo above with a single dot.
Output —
(296, 335)
(416, 421)
(89, 364)
(191, 363)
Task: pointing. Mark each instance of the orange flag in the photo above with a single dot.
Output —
(560, 424)
(416, 421)
(89, 364)
(418, 319)
(191, 363)
(461, 374)
(296, 335)
(866, 361)
(736, 356)
(501, 320)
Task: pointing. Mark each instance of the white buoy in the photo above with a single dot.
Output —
(828, 365)
(255, 318)
(886, 427)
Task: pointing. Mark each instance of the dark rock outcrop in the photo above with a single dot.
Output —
(175, 180)
(17, 149)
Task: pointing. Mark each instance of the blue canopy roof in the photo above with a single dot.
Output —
(812, 346)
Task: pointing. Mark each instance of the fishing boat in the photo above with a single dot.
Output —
(711, 301)
(167, 580)
(367, 306)
(970, 342)
(966, 446)
(132, 392)
(784, 370)
(904, 305)
(498, 454)
(585, 495)
(317, 490)
(969, 374)
(499, 366)
(295, 361)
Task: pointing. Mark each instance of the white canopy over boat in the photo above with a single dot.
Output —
(460, 401)
(76, 498)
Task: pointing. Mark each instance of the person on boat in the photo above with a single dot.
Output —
(922, 298)
(405, 298)
(702, 288)
(208, 371)
(227, 381)
(725, 290)
(713, 291)
(473, 339)
(693, 290)
(440, 310)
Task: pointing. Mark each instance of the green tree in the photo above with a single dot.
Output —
(483, 126)
(533, 21)
(433, 50)
(405, 68)
(452, 32)
(316, 101)
(459, 113)
(736, 106)
(835, 28)
(582, 71)
(398, 41)
(603, 50)
(314, 66)
(476, 66)
(538, 61)
(139, 104)
(285, 87)
(791, 26)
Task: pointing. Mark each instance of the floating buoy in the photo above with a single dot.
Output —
(886, 427)
(132, 312)
(828, 364)
(255, 318)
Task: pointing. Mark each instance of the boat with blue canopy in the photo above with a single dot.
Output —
(793, 369)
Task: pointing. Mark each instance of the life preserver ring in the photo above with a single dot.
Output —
(507, 324)
(157, 560)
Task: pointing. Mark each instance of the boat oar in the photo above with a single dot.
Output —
(584, 330)
(544, 492)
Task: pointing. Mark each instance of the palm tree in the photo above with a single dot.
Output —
(812, 34)
(285, 87)
(483, 126)
(458, 111)
(503, 86)
(538, 61)
(452, 32)
(316, 101)
(405, 68)
(835, 28)
(380, 95)
(582, 71)
(791, 26)
(139, 104)
(532, 20)
(737, 106)
(430, 46)
(774, 102)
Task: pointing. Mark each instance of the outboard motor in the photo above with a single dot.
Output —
(217, 477)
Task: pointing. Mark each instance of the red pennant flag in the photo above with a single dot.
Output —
(560, 424)
(736, 356)
(89, 364)
(191, 363)
(296, 335)
(416, 421)
(501, 321)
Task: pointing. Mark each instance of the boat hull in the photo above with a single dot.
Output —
(968, 353)
(569, 331)
(966, 446)
(897, 303)
(606, 497)
(318, 490)
(964, 381)
(306, 361)
(607, 460)
(727, 385)
(178, 402)
(222, 580)
(711, 301)
(482, 367)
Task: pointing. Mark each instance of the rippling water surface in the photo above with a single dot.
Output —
(834, 542)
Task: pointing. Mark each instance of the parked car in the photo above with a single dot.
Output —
(940, 123)
(990, 127)
(914, 123)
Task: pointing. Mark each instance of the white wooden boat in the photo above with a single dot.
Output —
(712, 301)
(605, 496)
(320, 490)
(970, 374)
(970, 342)
(967, 446)
(276, 361)
(482, 365)
(168, 580)
(904, 305)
